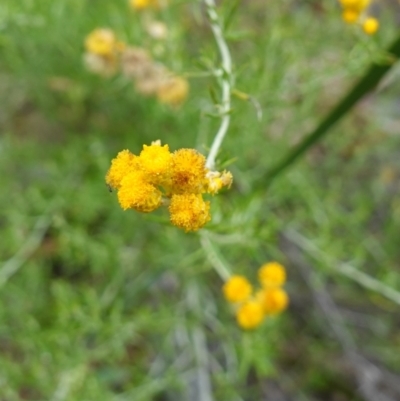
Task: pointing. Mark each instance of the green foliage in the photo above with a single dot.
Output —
(113, 305)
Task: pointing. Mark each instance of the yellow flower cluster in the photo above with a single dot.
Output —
(105, 55)
(354, 11)
(158, 177)
(252, 308)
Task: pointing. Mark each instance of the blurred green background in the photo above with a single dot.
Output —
(101, 304)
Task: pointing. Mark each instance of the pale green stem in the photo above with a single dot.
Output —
(216, 260)
(226, 82)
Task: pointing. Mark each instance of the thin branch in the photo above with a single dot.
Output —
(226, 77)
(216, 260)
(12, 265)
(345, 268)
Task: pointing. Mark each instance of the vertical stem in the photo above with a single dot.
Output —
(226, 62)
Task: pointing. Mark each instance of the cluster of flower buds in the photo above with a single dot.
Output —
(355, 12)
(105, 55)
(252, 307)
(158, 177)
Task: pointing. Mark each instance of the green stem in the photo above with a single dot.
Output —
(366, 84)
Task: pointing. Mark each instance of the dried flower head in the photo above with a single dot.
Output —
(173, 91)
(134, 62)
(237, 289)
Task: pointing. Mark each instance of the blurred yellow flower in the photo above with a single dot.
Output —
(272, 274)
(273, 300)
(237, 289)
(250, 315)
(350, 16)
(189, 211)
(143, 4)
(370, 25)
(173, 91)
(102, 42)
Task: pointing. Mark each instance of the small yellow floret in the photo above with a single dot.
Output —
(188, 171)
(273, 300)
(216, 180)
(122, 165)
(350, 16)
(173, 91)
(237, 289)
(250, 315)
(189, 211)
(136, 193)
(156, 162)
(356, 5)
(370, 25)
(272, 274)
(101, 42)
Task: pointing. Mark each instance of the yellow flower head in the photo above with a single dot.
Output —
(122, 165)
(237, 289)
(350, 16)
(188, 171)
(250, 315)
(356, 5)
(101, 42)
(143, 4)
(271, 275)
(136, 193)
(156, 162)
(370, 25)
(173, 91)
(273, 300)
(189, 211)
(216, 180)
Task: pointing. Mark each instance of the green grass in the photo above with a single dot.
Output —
(113, 305)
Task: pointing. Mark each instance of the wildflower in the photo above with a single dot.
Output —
(189, 211)
(188, 171)
(370, 25)
(272, 274)
(102, 42)
(237, 289)
(134, 62)
(156, 161)
(122, 165)
(173, 91)
(350, 16)
(250, 314)
(158, 177)
(273, 300)
(136, 193)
